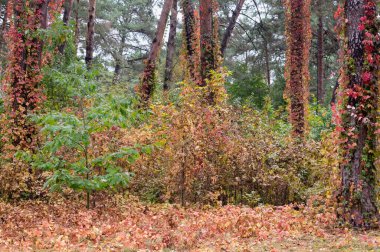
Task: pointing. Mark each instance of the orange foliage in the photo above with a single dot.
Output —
(66, 225)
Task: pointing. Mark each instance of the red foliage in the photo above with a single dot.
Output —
(21, 83)
(298, 37)
(68, 226)
(357, 111)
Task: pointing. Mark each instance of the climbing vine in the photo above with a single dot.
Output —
(21, 85)
(298, 39)
(357, 111)
(191, 43)
(210, 49)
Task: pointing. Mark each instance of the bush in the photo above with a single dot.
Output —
(225, 154)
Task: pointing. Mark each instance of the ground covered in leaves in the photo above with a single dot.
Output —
(131, 226)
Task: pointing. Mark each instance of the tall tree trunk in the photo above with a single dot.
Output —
(359, 113)
(297, 61)
(90, 33)
(231, 26)
(208, 56)
(77, 29)
(148, 79)
(191, 40)
(320, 54)
(118, 60)
(68, 6)
(210, 49)
(171, 46)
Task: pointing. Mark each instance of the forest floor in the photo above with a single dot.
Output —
(131, 226)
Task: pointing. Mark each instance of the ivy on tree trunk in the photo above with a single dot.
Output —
(298, 36)
(191, 41)
(358, 112)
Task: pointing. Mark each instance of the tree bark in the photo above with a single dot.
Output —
(334, 92)
(77, 29)
(4, 25)
(267, 62)
(90, 33)
(192, 41)
(210, 50)
(68, 6)
(148, 79)
(208, 60)
(320, 55)
(231, 26)
(44, 16)
(171, 46)
(118, 60)
(359, 116)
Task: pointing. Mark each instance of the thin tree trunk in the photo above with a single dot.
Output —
(359, 116)
(118, 60)
(267, 62)
(320, 54)
(171, 46)
(148, 79)
(4, 25)
(90, 33)
(44, 6)
(192, 41)
(334, 93)
(77, 29)
(66, 17)
(231, 26)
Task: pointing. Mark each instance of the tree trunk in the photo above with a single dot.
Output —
(320, 54)
(90, 33)
(191, 41)
(297, 59)
(118, 60)
(171, 46)
(44, 9)
(77, 29)
(208, 57)
(334, 92)
(66, 17)
(231, 26)
(23, 75)
(267, 62)
(210, 50)
(359, 115)
(148, 79)
(4, 25)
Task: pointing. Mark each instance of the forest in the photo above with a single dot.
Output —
(189, 125)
